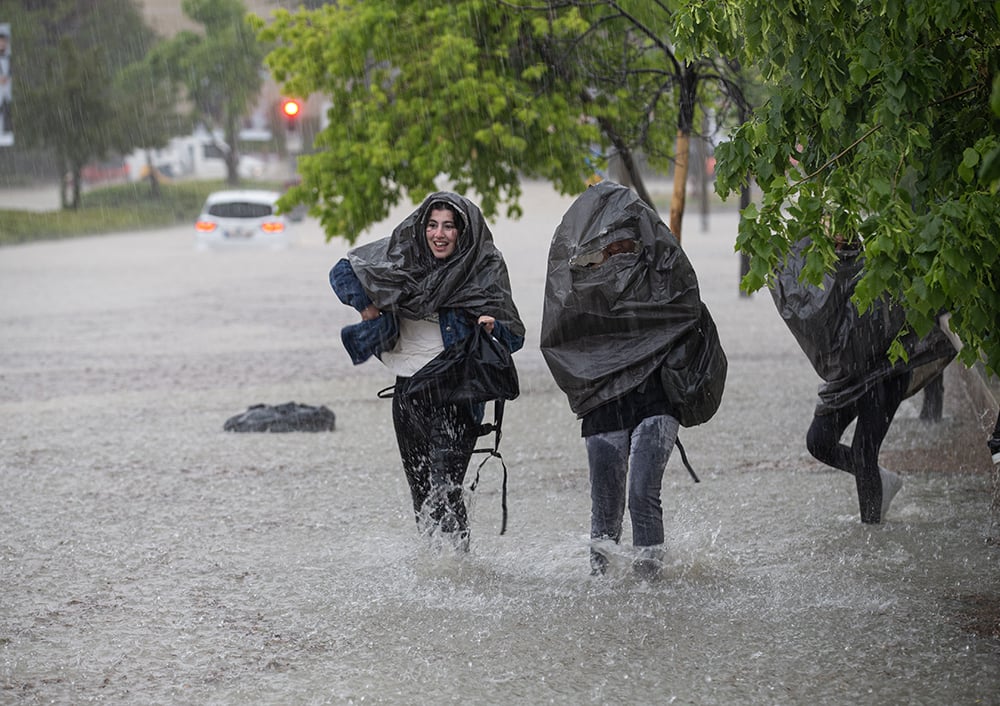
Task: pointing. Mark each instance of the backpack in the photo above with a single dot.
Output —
(694, 373)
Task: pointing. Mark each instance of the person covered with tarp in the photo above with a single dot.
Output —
(994, 442)
(849, 351)
(619, 295)
(420, 290)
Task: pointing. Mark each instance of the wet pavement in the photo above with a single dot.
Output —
(147, 556)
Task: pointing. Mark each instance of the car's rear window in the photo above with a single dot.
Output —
(240, 209)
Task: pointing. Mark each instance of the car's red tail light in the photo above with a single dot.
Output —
(272, 227)
(204, 226)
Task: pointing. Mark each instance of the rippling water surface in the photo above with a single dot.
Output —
(146, 556)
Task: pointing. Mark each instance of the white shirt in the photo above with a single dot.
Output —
(419, 341)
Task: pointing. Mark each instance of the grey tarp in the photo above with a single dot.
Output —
(848, 349)
(607, 328)
(400, 274)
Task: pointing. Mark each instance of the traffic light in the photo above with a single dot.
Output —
(291, 108)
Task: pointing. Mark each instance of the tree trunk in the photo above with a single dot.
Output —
(71, 182)
(63, 169)
(744, 258)
(154, 181)
(623, 170)
(232, 156)
(77, 179)
(744, 111)
(680, 183)
(704, 179)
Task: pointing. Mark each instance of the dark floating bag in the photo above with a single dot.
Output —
(477, 369)
(282, 418)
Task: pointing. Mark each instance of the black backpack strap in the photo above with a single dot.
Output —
(484, 429)
(684, 459)
(494, 452)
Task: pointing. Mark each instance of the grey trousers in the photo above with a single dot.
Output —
(638, 456)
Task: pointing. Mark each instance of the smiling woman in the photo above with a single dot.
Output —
(442, 230)
(419, 296)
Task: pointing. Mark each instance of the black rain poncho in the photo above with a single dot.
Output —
(606, 329)
(847, 349)
(400, 274)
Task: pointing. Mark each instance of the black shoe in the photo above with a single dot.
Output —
(598, 564)
(648, 565)
(648, 570)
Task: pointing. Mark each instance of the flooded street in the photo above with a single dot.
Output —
(147, 556)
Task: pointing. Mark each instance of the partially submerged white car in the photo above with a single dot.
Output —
(241, 218)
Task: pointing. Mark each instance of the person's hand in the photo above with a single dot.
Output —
(370, 313)
(486, 322)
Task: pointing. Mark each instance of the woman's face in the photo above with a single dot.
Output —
(442, 233)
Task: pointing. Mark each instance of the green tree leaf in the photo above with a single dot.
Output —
(891, 110)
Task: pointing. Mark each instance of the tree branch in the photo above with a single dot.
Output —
(836, 157)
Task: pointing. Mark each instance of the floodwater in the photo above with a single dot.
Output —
(146, 556)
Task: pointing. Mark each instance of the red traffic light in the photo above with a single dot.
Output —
(291, 107)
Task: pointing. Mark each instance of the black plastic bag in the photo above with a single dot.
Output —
(694, 373)
(282, 418)
(476, 369)
(608, 328)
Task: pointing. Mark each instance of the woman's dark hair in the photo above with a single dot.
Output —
(446, 206)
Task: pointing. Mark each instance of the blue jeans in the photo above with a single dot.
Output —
(644, 452)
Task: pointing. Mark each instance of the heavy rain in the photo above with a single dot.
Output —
(148, 555)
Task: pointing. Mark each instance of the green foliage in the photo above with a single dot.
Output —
(880, 124)
(419, 91)
(481, 93)
(65, 84)
(147, 99)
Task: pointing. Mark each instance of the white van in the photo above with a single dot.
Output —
(197, 156)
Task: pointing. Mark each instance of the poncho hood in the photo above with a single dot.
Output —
(608, 327)
(400, 274)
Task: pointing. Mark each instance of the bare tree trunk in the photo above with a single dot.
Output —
(680, 183)
(63, 170)
(154, 181)
(74, 175)
(623, 170)
(687, 94)
(701, 149)
(744, 111)
(232, 156)
(744, 258)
